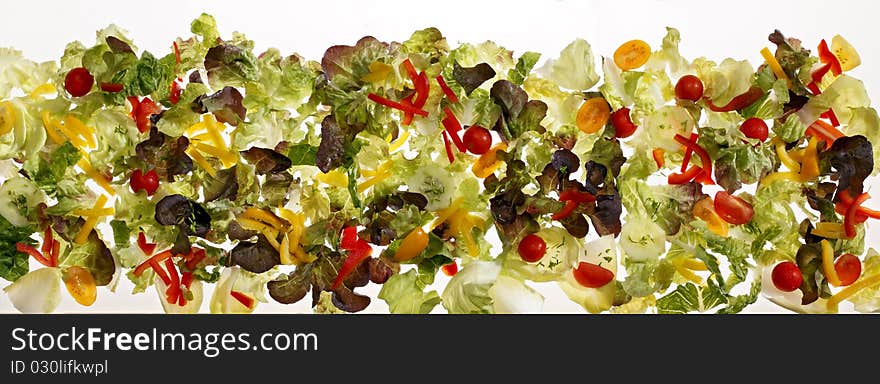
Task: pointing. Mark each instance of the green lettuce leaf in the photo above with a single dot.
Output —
(13, 264)
(574, 69)
(404, 293)
(689, 298)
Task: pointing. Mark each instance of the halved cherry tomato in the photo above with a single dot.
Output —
(787, 276)
(81, 285)
(148, 182)
(532, 248)
(78, 82)
(848, 268)
(733, 209)
(593, 115)
(632, 54)
(755, 128)
(141, 112)
(623, 125)
(689, 87)
(412, 245)
(591, 275)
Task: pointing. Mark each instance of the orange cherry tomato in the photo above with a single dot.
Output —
(81, 285)
(593, 115)
(632, 54)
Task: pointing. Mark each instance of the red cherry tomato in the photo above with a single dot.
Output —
(450, 269)
(623, 125)
(787, 276)
(848, 268)
(755, 128)
(591, 275)
(142, 112)
(148, 182)
(689, 87)
(732, 209)
(78, 82)
(477, 139)
(532, 248)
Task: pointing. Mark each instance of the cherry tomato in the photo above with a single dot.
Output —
(623, 125)
(591, 275)
(593, 115)
(78, 82)
(142, 112)
(848, 268)
(477, 140)
(148, 182)
(732, 209)
(450, 269)
(81, 285)
(632, 54)
(689, 87)
(787, 276)
(532, 248)
(755, 128)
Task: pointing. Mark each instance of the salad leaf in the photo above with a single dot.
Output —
(13, 264)
(689, 298)
(404, 293)
(225, 104)
(574, 69)
(524, 66)
(471, 78)
(468, 290)
(266, 160)
(231, 65)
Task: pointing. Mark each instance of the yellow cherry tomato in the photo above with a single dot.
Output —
(7, 117)
(81, 285)
(412, 245)
(705, 210)
(593, 115)
(632, 54)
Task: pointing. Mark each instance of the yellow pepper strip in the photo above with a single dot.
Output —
(373, 181)
(50, 128)
(847, 292)
(202, 162)
(461, 225)
(197, 127)
(304, 257)
(792, 165)
(284, 252)
(99, 178)
(488, 163)
(445, 213)
(828, 264)
(384, 167)
(95, 212)
(82, 130)
(379, 72)
(399, 142)
(797, 155)
(7, 117)
(43, 89)
(266, 217)
(334, 178)
(228, 158)
(687, 274)
(253, 225)
(774, 65)
(90, 223)
(830, 230)
(65, 130)
(694, 264)
(214, 129)
(272, 236)
(777, 176)
(810, 168)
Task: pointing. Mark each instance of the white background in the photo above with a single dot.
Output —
(715, 30)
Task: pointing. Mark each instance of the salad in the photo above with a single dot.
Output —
(639, 182)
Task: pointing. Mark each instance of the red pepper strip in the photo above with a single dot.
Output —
(142, 243)
(658, 157)
(112, 87)
(827, 57)
(841, 208)
(849, 220)
(410, 70)
(349, 238)
(576, 196)
(393, 104)
(243, 298)
(30, 250)
(159, 271)
(355, 257)
(817, 76)
(814, 88)
(407, 117)
(832, 117)
(446, 90)
(423, 88)
(570, 206)
(47, 240)
(196, 257)
(56, 249)
(848, 201)
(688, 153)
(161, 256)
(450, 269)
(686, 177)
(453, 126)
(135, 103)
(739, 102)
(706, 176)
(448, 145)
(173, 291)
(824, 131)
(174, 96)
